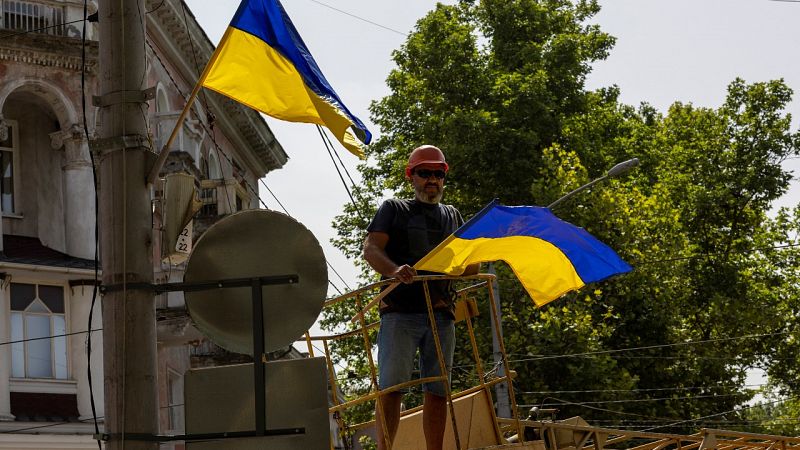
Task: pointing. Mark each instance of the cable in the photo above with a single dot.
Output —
(157, 7)
(335, 287)
(39, 427)
(90, 381)
(55, 336)
(650, 347)
(335, 152)
(707, 255)
(335, 166)
(597, 391)
(37, 30)
(287, 213)
(359, 18)
(621, 413)
(758, 405)
(644, 400)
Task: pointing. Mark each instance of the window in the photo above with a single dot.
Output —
(8, 161)
(175, 400)
(30, 16)
(37, 311)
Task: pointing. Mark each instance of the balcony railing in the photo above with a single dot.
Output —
(33, 17)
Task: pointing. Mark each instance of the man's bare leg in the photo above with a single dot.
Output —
(434, 419)
(391, 414)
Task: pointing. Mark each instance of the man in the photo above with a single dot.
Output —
(402, 232)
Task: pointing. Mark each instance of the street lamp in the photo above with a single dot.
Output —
(503, 404)
(615, 171)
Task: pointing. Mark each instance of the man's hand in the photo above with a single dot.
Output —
(405, 273)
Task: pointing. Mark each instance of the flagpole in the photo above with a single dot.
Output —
(162, 157)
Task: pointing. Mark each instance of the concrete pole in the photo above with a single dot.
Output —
(500, 389)
(80, 303)
(129, 326)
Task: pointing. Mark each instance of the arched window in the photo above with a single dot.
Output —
(214, 167)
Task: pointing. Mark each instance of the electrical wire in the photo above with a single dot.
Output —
(54, 336)
(157, 7)
(336, 152)
(757, 405)
(330, 266)
(37, 30)
(643, 400)
(650, 347)
(709, 255)
(49, 425)
(335, 166)
(96, 283)
(359, 18)
(600, 391)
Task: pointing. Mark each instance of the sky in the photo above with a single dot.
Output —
(666, 51)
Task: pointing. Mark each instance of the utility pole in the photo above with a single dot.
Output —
(129, 332)
(500, 389)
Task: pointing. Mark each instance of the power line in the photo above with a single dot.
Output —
(55, 336)
(37, 30)
(359, 17)
(708, 255)
(758, 405)
(642, 400)
(603, 391)
(335, 166)
(330, 266)
(89, 379)
(650, 347)
(49, 425)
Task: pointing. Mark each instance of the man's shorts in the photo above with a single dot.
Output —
(399, 337)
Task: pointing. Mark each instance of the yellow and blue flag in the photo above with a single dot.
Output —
(549, 256)
(263, 63)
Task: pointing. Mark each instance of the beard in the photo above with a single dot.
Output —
(432, 196)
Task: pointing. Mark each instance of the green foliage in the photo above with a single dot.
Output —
(499, 86)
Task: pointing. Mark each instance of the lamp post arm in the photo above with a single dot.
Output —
(572, 193)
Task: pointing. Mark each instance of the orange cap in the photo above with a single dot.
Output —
(425, 154)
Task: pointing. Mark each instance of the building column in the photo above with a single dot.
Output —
(79, 195)
(5, 354)
(81, 300)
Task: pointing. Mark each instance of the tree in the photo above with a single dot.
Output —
(499, 85)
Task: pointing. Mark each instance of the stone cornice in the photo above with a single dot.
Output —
(49, 51)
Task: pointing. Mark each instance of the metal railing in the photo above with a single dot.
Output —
(34, 17)
(363, 325)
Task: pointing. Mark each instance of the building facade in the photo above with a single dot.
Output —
(47, 196)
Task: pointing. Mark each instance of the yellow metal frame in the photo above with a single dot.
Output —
(483, 281)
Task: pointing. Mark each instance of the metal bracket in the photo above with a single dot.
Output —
(130, 141)
(201, 285)
(144, 437)
(114, 98)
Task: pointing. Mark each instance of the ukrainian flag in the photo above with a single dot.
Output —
(549, 256)
(263, 63)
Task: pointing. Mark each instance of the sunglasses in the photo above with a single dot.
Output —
(425, 173)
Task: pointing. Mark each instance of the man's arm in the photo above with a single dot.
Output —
(375, 255)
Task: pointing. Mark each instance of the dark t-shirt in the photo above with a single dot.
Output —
(414, 229)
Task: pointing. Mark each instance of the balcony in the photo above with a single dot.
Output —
(33, 17)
